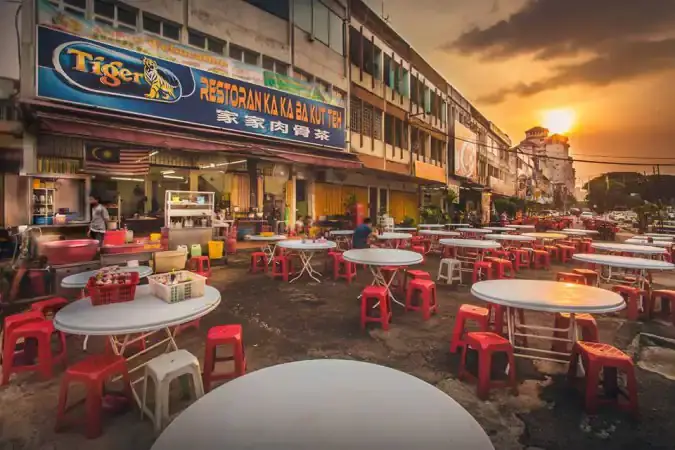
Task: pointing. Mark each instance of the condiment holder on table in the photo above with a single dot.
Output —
(110, 285)
(177, 286)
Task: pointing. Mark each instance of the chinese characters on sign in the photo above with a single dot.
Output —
(274, 125)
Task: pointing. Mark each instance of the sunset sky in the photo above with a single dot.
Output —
(610, 61)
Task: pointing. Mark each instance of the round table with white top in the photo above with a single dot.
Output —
(659, 235)
(325, 404)
(571, 232)
(458, 225)
(628, 248)
(79, 280)
(306, 248)
(521, 227)
(376, 258)
(342, 237)
(268, 243)
(470, 244)
(436, 235)
(665, 238)
(643, 265)
(431, 225)
(127, 323)
(404, 229)
(499, 229)
(394, 239)
(546, 236)
(655, 243)
(545, 296)
(582, 230)
(515, 238)
(473, 232)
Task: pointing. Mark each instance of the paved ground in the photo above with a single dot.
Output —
(285, 322)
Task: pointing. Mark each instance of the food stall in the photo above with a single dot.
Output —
(188, 218)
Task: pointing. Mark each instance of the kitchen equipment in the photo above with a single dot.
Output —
(113, 237)
(69, 252)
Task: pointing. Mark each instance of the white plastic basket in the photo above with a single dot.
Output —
(190, 285)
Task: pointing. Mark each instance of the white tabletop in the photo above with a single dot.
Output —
(624, 262)
(665, 238)
(327, 404)
(389, 235)
(341, 232)
(79, 280)
(474, 230)
(397, 229)
(659, 235)
(383, 257)
(552, 236)
(571, 232)
(458, 225)
(628, 248)
(308, 245)
(470, 243)
(256, 237)
(145, 313)
(655, 243)
(510, 237)
(505, 229)
(439, 233)
(548, 296)
(521, 227)
(431, 225)
(580, 230)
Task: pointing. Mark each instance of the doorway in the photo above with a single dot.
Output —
(372, 204)
(301, 204)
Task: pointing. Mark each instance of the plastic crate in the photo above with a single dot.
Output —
(190, 285)
(112, 293)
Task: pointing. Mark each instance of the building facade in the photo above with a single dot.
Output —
(303, 106)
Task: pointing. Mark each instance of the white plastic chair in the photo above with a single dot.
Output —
(452, 272)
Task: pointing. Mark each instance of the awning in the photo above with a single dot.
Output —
(102, 126)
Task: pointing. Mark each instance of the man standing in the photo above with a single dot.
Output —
(361, 234)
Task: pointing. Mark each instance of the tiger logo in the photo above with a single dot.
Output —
(158, 84)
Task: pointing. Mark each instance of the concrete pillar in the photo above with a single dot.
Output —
(252, 165)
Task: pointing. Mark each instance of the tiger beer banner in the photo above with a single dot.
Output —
(77, 70)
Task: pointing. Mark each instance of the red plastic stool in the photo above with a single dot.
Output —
(587, 323)
(50, 306)
(331, 260)
(503, 268)
(371, 296)
(419, 249)
(570, 277)
(632, 297)
(499, 254)
(667, 298)
(566, 253)
(496, 317)
(481, 268)
(344, 269)
(553, 251)
(390, 274)
(449, 252)
(37, 282)
(259, 261)
(282, 266)
(486, 344)
(521, 258)
(93, 372)
(414, 275)
(28, 351)
(39, 330)
(201, 265)
(223, 335)
(595, 357)
(541, 259)
(427, 291)
(467, 312)
(179, 329)
(590, 275)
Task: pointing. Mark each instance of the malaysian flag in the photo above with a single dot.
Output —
(104, 160)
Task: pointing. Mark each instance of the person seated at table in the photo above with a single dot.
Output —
(299, 225)
(362, 234)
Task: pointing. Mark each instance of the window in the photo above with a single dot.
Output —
(355, 115)
(273, 65)
(75, 7)
(114, 15)
(367, 119)
(154, 25)
(355, 41)
(339, 95)
(320, 22)
(336, 33)
(437, 147)
(389, 129)
(279, 8)
(245, 55)
(414, 97)
(206, 42)
(302, 14)
(301, 75)
(377, 124)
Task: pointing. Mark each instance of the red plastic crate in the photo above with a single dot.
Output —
(112, 293)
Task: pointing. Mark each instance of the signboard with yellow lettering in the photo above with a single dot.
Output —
(91, 73)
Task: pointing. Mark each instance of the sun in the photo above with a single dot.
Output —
(559, 121)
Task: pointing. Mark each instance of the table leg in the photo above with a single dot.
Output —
(379, 280)
(268, 250)
(307, 267)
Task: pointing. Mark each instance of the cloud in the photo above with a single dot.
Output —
(619, 62)
(555, 28)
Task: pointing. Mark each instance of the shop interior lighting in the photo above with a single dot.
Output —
(126, 179)
(173, 177)
(167, 172)
(213, 165)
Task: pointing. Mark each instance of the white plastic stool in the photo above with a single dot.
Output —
(163, 369)
(453, 270)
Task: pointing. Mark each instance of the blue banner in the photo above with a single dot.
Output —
(86, 72)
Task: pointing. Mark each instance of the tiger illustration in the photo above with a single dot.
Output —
(158, 84)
